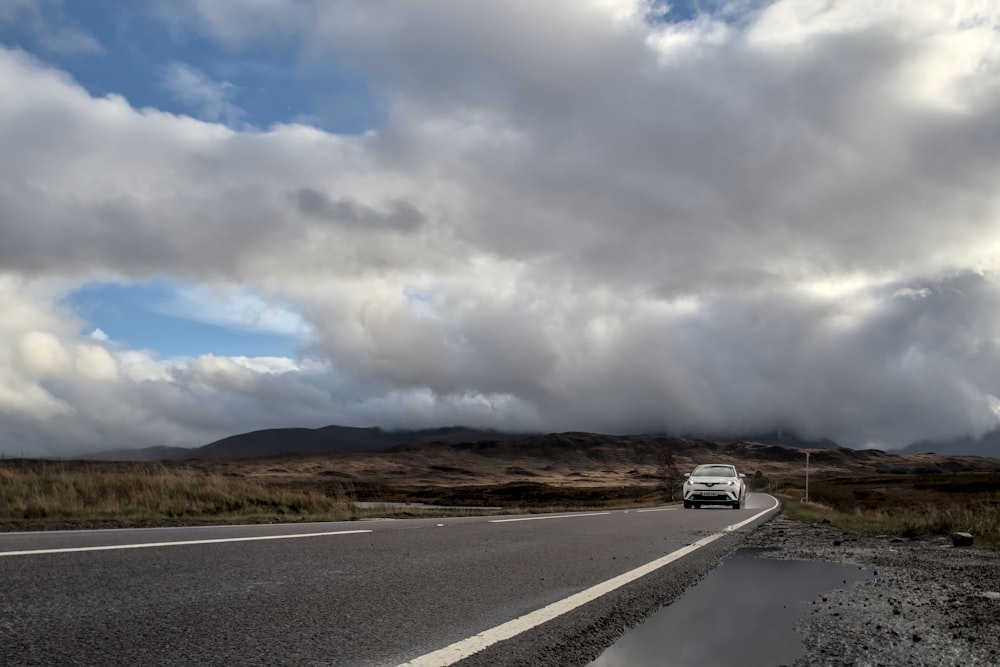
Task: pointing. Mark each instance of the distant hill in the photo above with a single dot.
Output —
(783, 438)
(281, 441)
(591, 451)
(346, 439)
(459, 456)
(986, 445)
(285, 441)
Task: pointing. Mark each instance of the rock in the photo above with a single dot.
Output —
(961, 539)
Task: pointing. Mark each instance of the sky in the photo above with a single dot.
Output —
(619, 216)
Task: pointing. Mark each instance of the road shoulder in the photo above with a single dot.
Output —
(929, 603)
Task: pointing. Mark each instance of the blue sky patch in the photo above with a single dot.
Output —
(177, 320)
(680, 11)
(111, 47)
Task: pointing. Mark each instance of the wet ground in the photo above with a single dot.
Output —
(929, 605)
(744, 613)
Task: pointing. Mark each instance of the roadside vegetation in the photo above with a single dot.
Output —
(46, 494)
(909, 506)
(151, 493)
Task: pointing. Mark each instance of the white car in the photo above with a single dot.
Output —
(715, 484)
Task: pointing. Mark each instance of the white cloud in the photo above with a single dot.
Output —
(234, 308)
(211, 100)
(42, 354)
(45, 21)
(69, 40)
(95, 363)
(723, 225)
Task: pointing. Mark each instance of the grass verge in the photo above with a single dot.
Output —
(910, 506)
(150, 493)
(47, 494)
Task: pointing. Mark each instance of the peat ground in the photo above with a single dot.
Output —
(557, 472)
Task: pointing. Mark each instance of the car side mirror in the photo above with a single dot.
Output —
(687, 474)
(742, 476)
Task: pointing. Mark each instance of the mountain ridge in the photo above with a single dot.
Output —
(348, 439)
(300, 440)
(571, 459)
(987, 444)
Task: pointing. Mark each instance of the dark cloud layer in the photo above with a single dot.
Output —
(401, 216)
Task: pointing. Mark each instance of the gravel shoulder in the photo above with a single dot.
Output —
(929, 603)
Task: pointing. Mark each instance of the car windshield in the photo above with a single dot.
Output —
(714, 471)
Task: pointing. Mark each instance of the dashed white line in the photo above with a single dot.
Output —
(460, 650)
(150, 545)
(656, 509)
(549, 516)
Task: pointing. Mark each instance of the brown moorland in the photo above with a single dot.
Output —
(565, 470)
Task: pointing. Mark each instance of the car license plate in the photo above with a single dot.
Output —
(711, 493)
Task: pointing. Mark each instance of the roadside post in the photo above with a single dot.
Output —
(807, 477)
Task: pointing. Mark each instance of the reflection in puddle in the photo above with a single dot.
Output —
(743, 613)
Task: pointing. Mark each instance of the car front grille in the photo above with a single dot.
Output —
(700, 496)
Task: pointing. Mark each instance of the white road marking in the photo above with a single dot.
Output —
(164, 529)
(150, 545)
(739, 525)
(657, 509)
(460, 650)
(549, 516)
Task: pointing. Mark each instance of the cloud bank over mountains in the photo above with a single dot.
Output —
(576, 215)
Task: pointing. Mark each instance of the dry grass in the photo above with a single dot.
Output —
(911, 506)
(49, 494)
(153, 493)
(325, 488)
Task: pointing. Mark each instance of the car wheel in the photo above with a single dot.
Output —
(737, 504)
(687, 505)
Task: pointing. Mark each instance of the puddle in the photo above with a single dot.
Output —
(743, 613)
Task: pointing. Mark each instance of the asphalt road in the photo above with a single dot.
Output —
(353, 593)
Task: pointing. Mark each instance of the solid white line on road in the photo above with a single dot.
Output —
(739, 525)
(460, 650)
(549, 516)
(149, 545)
